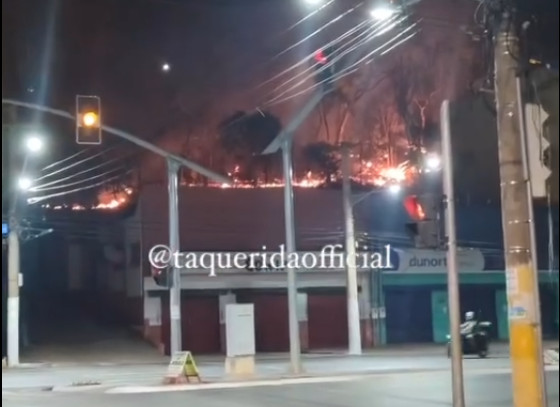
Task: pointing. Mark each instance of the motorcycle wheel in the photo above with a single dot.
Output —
(482, 354)
(448, 350)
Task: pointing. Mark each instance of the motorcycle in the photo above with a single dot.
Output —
(475, 342)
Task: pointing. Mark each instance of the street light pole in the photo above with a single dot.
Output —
(353, 308)
(289, 219)
(452, 265)
(175, 247)
(284, 142)
(281, 143)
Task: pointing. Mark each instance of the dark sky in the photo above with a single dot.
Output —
(115, 48)
(218, 50)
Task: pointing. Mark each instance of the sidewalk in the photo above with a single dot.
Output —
(150, 370)
(130, 352)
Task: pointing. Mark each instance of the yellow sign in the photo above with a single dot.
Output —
(182, 366)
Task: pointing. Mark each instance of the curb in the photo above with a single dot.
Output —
(291, 380)
(255, 382)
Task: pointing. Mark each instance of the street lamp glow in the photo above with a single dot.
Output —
(25, 183)
(394, 188)
(313, 2)
(165, 67)
(382, 13)
(34, 143)
(433, 162)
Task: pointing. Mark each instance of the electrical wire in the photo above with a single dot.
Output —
(74, 164)
(341, 74)
(315, 73)
(313, 68)
(103, 164)
(70, 184)
(292, 47)
(56, 163)
(34, 200)
(310, 57)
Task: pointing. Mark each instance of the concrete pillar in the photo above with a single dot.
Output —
(153, 329)
(303, 321)
(225, 299)
(366, 323)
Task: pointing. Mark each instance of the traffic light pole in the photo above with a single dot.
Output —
(353, 309)
(452, 264)
(174, 247)
(174, 163)
(521, 271)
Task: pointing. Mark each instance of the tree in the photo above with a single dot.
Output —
(384, 132)
(322, 157)
(340, 107)
(416, 80)
(244, 137)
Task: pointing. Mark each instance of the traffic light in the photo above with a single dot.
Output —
(325, 67)
(162, 276)
(88, 120)
(538, 149)
(425, 211)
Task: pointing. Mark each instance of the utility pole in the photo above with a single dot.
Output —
(175, 247)
(521, 271)
(452, 263)
(353, 309)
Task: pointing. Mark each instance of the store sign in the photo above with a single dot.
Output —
(432, 261)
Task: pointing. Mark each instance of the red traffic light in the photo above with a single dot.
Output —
(320, 57)
(414, 208)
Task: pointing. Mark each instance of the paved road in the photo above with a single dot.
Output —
(402, 390)
(120, 375)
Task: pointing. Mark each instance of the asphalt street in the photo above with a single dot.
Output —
(400, 390)
(120, 375)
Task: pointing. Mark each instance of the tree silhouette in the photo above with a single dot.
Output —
(323, 158)
(244, 137)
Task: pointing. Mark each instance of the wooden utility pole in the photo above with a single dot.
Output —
(521, 270)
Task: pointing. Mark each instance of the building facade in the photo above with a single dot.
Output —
(405, 302)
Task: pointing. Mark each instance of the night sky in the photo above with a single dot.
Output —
(219, 52)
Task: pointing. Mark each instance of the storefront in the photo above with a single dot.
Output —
(414, 301)
(406, 303)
